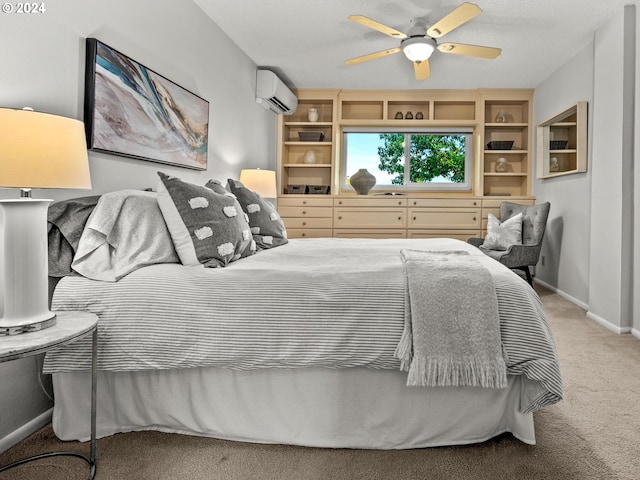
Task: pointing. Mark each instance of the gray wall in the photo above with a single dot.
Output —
(566, 246)
(593, 229)
(42, 58)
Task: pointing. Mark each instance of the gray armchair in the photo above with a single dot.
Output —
(534, 223)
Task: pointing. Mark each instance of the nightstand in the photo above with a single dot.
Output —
(70, 326)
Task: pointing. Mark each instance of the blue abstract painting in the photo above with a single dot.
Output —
(131, 110)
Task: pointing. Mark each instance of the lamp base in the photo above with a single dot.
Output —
(32, 326)
(24, 291)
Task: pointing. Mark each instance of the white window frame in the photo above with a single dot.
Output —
(466, 186)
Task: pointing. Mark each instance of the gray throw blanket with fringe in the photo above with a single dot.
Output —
(451, 334)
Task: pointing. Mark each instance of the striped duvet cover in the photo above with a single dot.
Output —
(332, 303)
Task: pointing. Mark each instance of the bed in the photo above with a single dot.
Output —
(298, 342)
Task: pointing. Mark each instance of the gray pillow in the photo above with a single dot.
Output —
(206, 228)
(266, 225)
(125, 231)
(502, 235)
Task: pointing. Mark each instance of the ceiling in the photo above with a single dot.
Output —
(307, 41)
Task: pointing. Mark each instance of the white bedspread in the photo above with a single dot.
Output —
(314, 302)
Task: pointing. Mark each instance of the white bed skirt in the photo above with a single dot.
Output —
(339, 408)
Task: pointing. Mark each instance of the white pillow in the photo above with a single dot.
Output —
(501, 235)
(125, 231)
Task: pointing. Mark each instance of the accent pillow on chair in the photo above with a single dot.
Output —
(206, 227)
(501, 235)
(266, 225)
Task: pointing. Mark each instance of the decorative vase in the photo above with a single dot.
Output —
(398, 116)
(501, 117)
(408, 116)
(554, 166)
(310, 157)
(362, 181)
(312, 114)
(419, 116)
(501, 165)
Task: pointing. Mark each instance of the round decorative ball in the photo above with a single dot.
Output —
(310, 157)
(362, 181)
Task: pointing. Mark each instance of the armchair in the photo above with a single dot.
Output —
(534, 223)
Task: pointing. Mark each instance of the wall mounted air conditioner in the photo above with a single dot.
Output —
(273, 94)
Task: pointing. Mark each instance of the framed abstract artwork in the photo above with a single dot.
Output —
(133, 111)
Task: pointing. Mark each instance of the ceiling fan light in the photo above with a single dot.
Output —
(418, 49)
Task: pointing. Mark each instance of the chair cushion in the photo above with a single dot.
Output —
(534, 219)
(501, 235)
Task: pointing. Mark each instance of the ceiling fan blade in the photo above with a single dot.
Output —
(367, 22)
(422, 70)
(453, 20)
(470, 50)
(371, 56)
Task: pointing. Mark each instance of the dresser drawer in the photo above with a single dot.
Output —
(495, 202)
(311, 222)
(374, 202)
(364, 233)
(309, 233)
(370, 218)
(444, 202)
(463, 235)
(445, 218)
(304, 211)
(305, 201)
(493, 206)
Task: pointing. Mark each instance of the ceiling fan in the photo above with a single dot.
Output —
(420, 41)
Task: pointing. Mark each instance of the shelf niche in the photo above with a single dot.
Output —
(554, 157)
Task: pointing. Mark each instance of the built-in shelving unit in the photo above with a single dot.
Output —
(293, 153)
(562, 143)
(507, 117)
(493, 115)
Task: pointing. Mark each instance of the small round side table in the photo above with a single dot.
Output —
(69, 327)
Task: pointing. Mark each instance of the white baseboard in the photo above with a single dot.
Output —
(564, 295)
(590, 315)
(24, 431)
(607, 324)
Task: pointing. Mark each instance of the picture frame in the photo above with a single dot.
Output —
(133, 111)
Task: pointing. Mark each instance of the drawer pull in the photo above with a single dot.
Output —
(339, 218)
(304, 224)
(400, 202)
(304, 202)
(304, 212)
(399, 218)
(340, 202)
(474, 219)
(414, 219)
(475, 203)
(415, 203)
(304, 234)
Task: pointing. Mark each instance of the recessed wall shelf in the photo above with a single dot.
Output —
(562, 143)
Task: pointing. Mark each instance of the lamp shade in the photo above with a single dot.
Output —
(39, 150)
(260, 181)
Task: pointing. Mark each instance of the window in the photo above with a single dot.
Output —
(417, 159)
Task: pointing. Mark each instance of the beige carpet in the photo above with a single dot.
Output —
(593, 434)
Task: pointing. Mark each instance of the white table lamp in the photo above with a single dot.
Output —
(260, 181)
(37, 150)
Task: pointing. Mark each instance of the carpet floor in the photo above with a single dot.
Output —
(594, 433)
